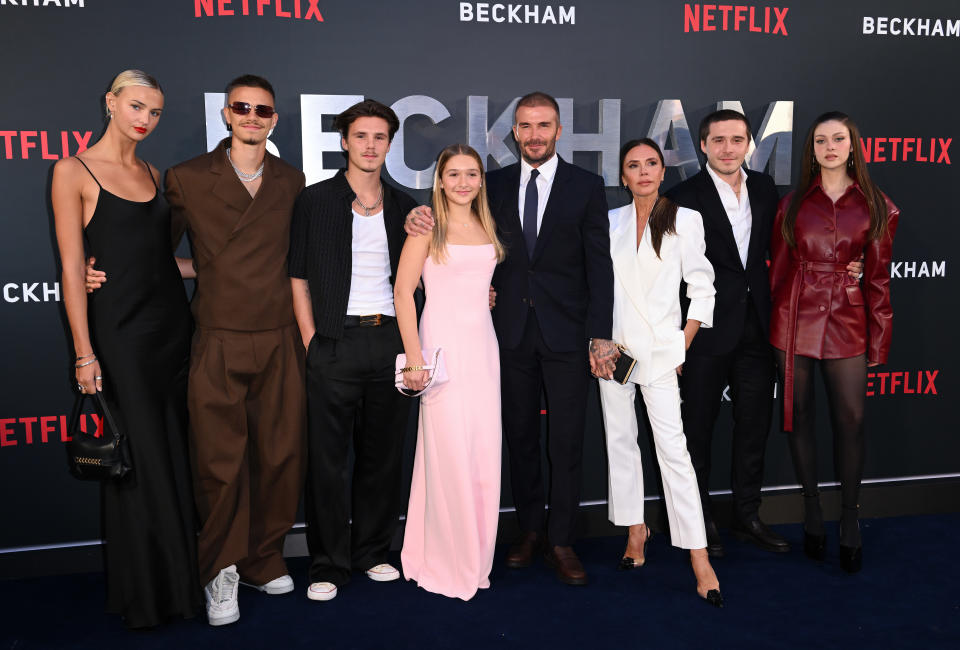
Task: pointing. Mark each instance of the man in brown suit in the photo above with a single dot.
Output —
(246, 387)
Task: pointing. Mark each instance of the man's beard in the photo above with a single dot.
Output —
(549, 150)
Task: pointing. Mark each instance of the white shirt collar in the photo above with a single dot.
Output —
(720, 182)
(546, 169)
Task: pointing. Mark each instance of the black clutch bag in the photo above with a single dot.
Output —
(624, 366)
(96, 459)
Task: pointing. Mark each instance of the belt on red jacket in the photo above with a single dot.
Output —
(816, 267)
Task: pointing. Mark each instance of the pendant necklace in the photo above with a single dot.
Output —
(366, 210)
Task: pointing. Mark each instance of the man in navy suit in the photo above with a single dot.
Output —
(553, 318)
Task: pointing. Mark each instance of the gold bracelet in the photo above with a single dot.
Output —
(412, 368)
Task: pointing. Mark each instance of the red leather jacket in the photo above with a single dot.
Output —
(819, 311)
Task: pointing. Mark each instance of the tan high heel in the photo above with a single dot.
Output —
(628, 563)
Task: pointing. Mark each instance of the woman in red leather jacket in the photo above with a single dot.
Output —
(822, 316)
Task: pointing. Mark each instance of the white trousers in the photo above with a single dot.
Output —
(680, 493)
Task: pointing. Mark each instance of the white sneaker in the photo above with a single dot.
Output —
(277, 586)
(221, 594)
(322, 591)
(383, 573)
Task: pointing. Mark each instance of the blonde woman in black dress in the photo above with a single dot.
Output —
(131, 340)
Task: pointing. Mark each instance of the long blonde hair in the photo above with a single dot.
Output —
(480, 206)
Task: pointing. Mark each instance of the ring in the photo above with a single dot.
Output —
(79, 386)
(860, 277)
(99, 377)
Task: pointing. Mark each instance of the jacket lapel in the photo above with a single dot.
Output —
(227, 187)
(557, 198)
(393, 222)
(623, 251)
(757, 207)
(266, 195)
(715, 212)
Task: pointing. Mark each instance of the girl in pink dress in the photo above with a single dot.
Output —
(454, 504)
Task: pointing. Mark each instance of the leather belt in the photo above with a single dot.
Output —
(367, 320)
(799, 268)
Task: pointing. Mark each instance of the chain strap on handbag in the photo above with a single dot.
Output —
(435, 366)
(91, 458)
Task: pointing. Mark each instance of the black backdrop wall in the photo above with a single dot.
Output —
(451, 70)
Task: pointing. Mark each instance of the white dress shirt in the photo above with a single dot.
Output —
(738, 210)
(370, 288)
(544, 182)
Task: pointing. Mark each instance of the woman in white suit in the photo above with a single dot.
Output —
(655, 245)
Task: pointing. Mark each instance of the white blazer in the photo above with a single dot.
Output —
(646, 290)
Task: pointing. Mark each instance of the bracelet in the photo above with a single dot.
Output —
(85, 363)
(84, 356)
(412, 368)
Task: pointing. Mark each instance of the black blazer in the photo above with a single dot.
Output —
(732, 280)
(568, 281)
(321, 245)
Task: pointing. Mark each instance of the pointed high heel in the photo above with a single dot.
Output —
(628, 563)
(851, 557)
(713, 597)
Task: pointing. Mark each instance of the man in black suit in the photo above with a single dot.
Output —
(553, 317)
(738, 207)
(346, 238)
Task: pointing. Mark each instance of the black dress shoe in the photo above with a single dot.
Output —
(757, 532)
(851, 558)
(815, 546)
(714, 545)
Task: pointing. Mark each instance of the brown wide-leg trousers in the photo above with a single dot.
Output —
(247, 445)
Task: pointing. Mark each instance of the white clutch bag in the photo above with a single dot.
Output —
(434, 365)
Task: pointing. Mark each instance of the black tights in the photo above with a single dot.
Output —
(846, 384)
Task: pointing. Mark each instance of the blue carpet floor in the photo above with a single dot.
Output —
(906, 597)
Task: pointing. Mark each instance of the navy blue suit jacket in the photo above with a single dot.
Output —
(568, 279)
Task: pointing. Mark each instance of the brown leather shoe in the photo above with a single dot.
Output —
(567, 565)
(521, 553)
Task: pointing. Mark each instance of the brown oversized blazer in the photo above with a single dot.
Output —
(239, 243)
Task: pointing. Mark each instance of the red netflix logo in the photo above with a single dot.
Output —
(294, 8)
(734, 18)
(48, 145)
(931, 150)
(42, 429)
(908, 382)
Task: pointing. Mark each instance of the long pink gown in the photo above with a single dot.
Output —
(455, 493)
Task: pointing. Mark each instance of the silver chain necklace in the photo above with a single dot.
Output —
(366, 210)
(243, 176)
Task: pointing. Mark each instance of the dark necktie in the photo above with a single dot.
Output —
(530, 205)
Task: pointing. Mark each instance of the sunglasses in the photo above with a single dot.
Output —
(243, 108)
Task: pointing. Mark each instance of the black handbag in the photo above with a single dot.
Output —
(96, 459)
(624, 366)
